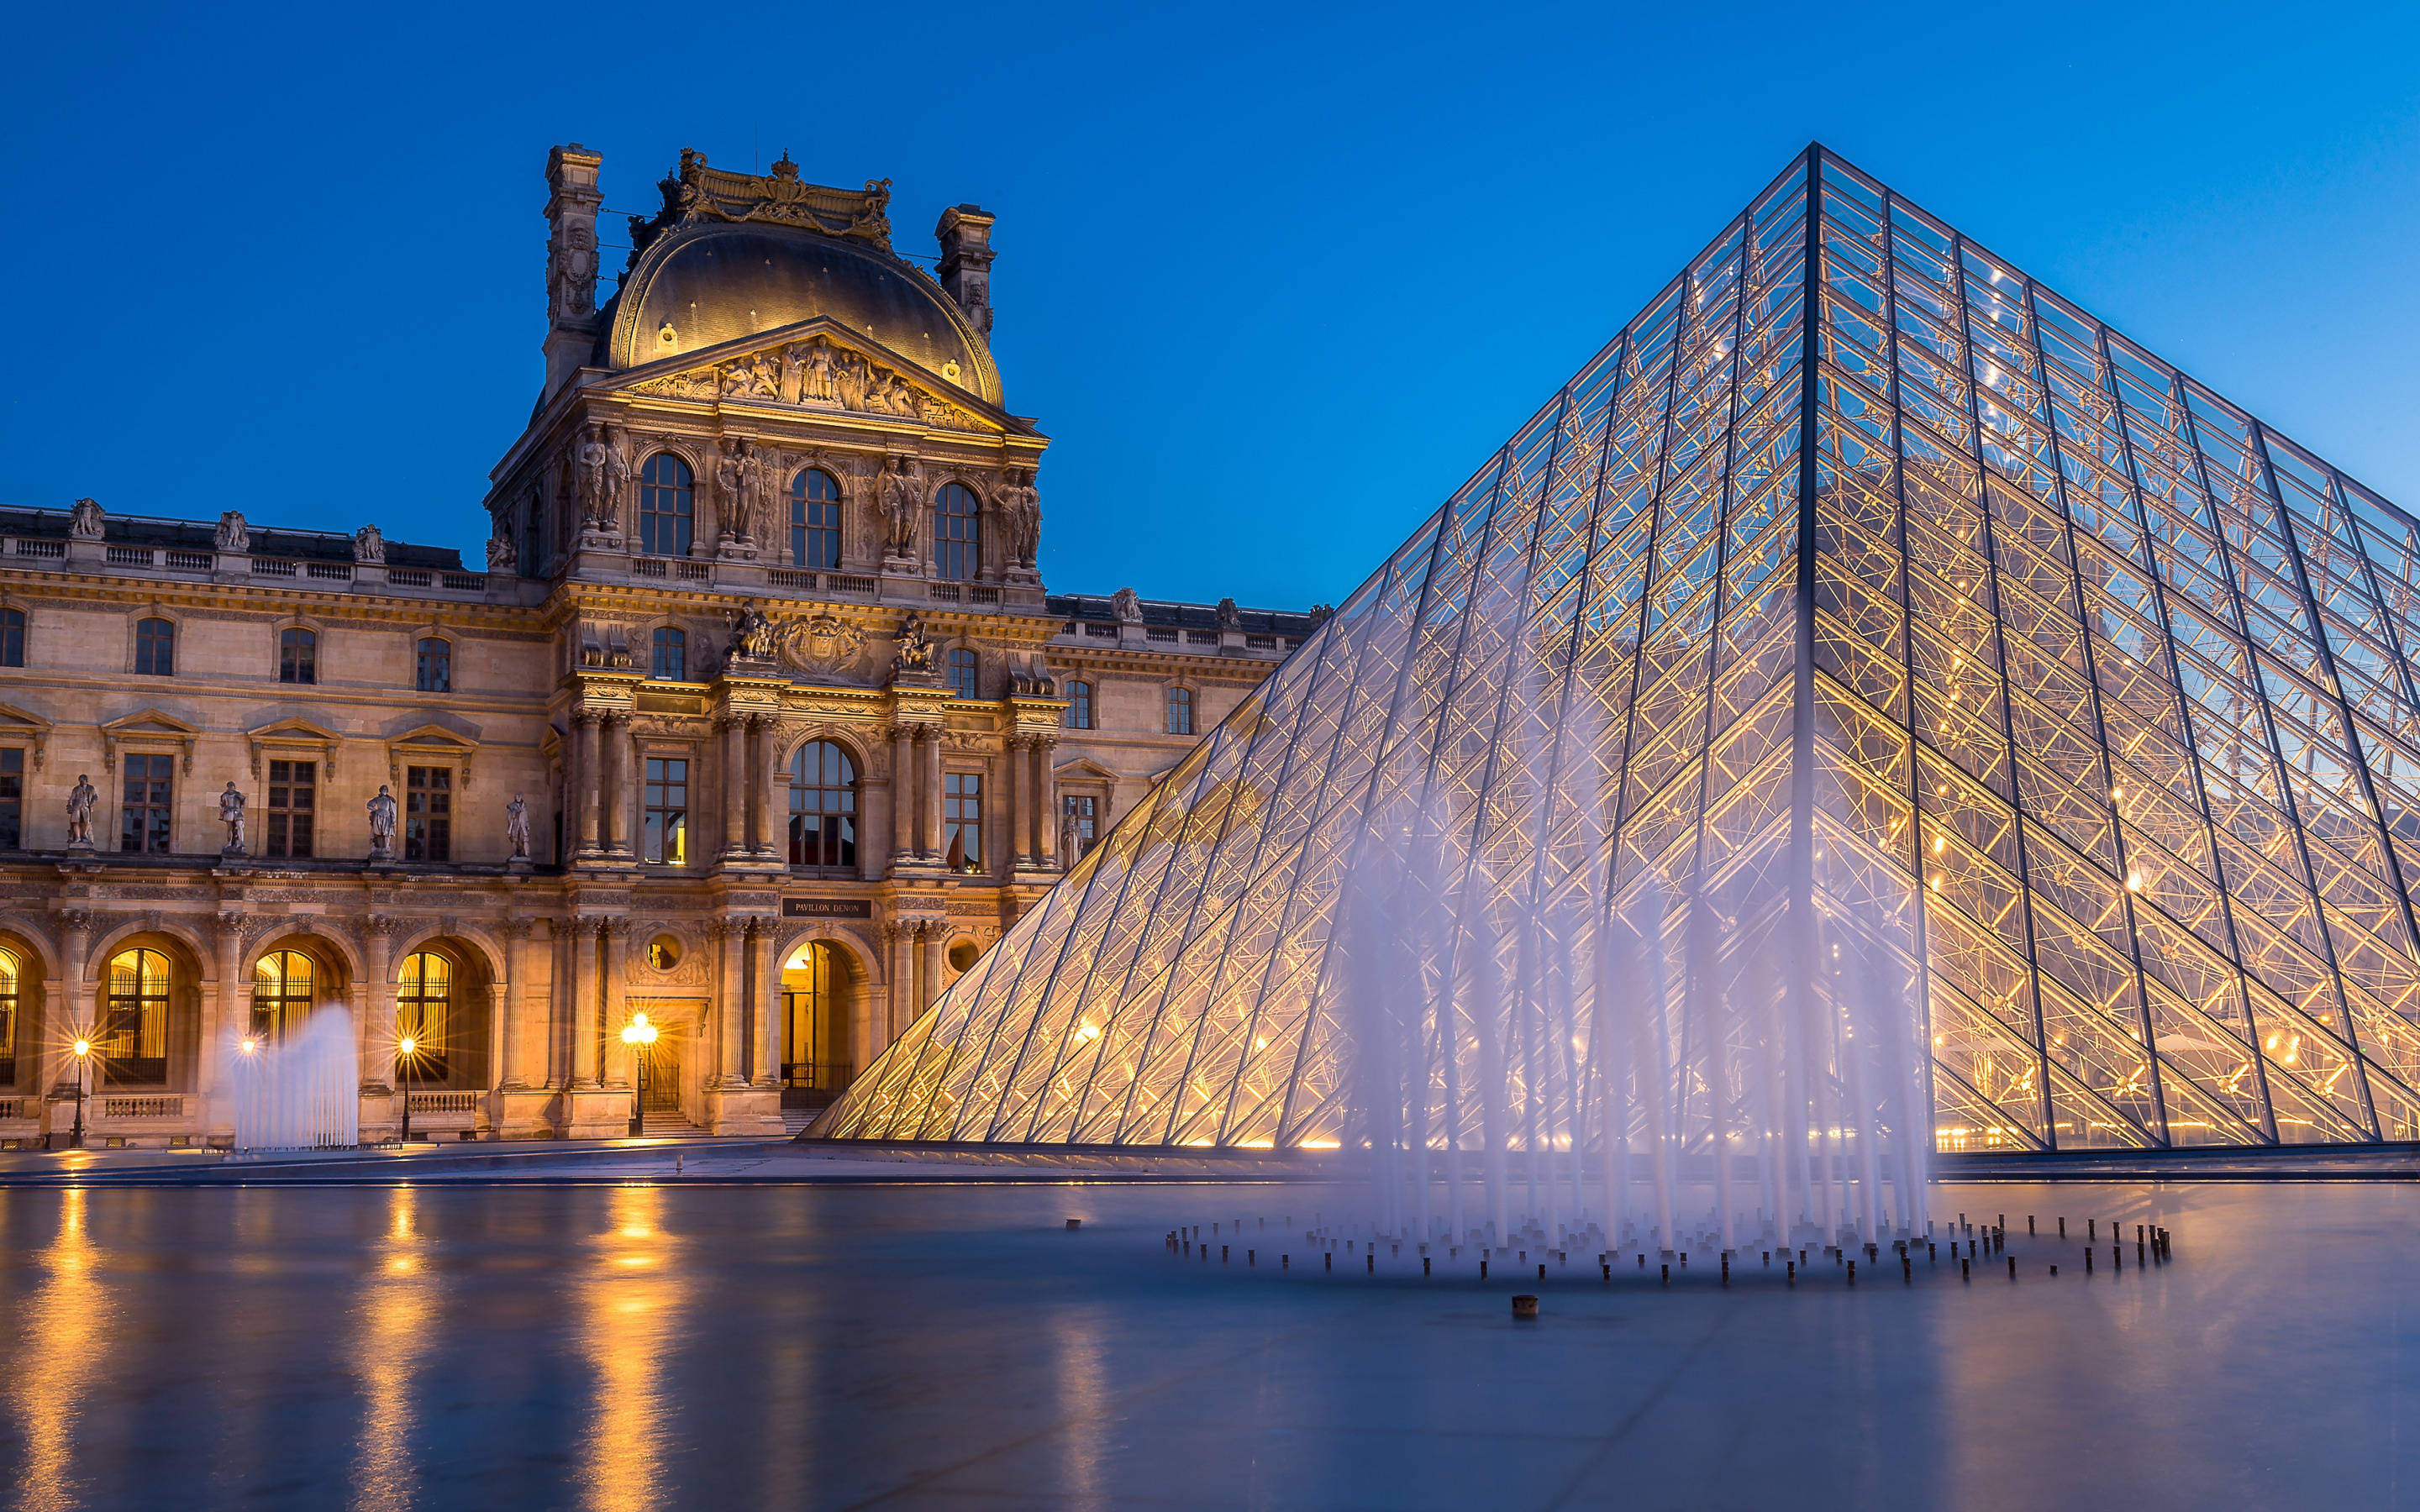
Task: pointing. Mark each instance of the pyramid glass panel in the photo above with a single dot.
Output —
(1873, 691)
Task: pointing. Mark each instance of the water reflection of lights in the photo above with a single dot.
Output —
(63, 1346)
(397, 1316)
(631, 1298)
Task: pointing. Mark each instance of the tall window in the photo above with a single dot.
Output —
(815, 520)
(12, 638)
(293, 795)
(1085, 810)
(424, 1013)
(150, 801)
(807, 1006)
(280, 994)
(669, 656)
(434, 672)
(8, 968)
(962, 820)
(1079, 705)
(1180, 711)
(12, 798)
(297, 656)
(823, 807)
(957, 533)
(428, 813)
(666, 839)
(664, 492)
(155, 648)
(132, 1037)
(963, 672)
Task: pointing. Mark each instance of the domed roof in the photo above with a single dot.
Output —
(702, 285)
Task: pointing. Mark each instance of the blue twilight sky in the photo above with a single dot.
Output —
(1275, 280)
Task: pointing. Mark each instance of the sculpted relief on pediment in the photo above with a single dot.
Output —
(816, 374)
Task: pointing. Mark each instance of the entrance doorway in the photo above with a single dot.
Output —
(818, 993)
(663, 1078)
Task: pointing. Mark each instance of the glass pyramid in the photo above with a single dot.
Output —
(2076, 702)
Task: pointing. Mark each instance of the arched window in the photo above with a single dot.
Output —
(297, 656)
(823, 807)
(424, 1014)
(817, 988)
(815, 520)
(434, 671)
(9, 971)
(664, 492)
(957, 533)
(1079, 705)
(280, 994)
(132, 1037)
(1180, 711)
(964, 673)
(668, 655)
(155, 648)
(12, 638)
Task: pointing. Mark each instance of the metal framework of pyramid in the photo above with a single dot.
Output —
(2087, 696)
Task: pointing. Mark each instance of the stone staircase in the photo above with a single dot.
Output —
(794, 1119)
(665, 1125)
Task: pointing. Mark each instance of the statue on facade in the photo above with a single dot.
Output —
(574, 274)
(1021, 507)
(1230, 618)
(816, 375)
(368, 544)
(80, 799)
(503, 556)
(752, 636)
(382, 825)
(605, 468)
(85, 520)
(751, 516)
(231, 815)
(902, 499)
(727, 469)
(1125, 604)
(1071, 840)
(914, 655)
(517, 828)
(233, 533)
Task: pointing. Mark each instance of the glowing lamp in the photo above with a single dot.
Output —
(83, 1047)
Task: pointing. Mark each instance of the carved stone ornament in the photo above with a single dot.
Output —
(902, 500)
(1128, 605)
(233, 533)
(698, 193)
(820, 646)
(85, 520)
(913, 660)
(814, 375)
(1230, 617)
(752, 636)
(1020, 506)
(503, 556)
(368, 544)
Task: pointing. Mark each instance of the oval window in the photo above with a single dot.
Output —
(963, 954)
(663, 952)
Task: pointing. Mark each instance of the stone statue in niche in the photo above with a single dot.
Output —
(80, 799)
(604, 468)
(1231, 618)
(902, 499)
(1071, 840)
(1021, 507)
(231, 815)
(914, 656)
(752, 493)
(1125, 604)
(232, 534)
(517, 828)
(727, 469)
(503, 556)
(85, 520)
(382, 825)
(368, 544)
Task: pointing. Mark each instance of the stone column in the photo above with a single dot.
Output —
(581, 799)
(509, 1072)
(902, 793)
(1012, 803)
(928, 985)
(1045, 805)
(767, 1002)
(734, 783)
(755, 750)
(75, 925)
(225, 1013)
(935, 846)
(901, 1007)
(585, 1031)
(729, 937)
(377, 1029)
(616, 935)
(862, 1015)
(611, 819)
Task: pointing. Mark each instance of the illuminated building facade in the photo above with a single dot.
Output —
(1860, 591)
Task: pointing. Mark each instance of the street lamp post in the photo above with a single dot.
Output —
(84, 1058)
(638, 1034)
(405, 1049)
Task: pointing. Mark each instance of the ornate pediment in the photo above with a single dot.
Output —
(698, 193)
(823, 373)
(291, 736)
(151, 728)
(31, 728)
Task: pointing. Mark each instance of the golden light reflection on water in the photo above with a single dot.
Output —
(63, 1331)
(1080, 1341)
(630, 1300)
(396, 1317)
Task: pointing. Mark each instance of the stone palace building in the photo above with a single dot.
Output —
(758, 721)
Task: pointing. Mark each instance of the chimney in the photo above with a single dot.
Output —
(572, 200)
(965, 235)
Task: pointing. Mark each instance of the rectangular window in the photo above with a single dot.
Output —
(433, 665)
(155, 648)
(428, 813)
(12, 638)
(13, 799)
(292, 798)
(149, 800)
(1086, 812)
(962, 820)
(1180, 711)
(666, 840)
(298, 657)
(1079, 705)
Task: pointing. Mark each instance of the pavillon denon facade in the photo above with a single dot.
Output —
(758, 721)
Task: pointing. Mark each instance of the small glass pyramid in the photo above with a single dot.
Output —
(2074, 702)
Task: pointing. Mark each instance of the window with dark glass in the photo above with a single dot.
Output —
(964, 673)
(293, 794)
(155, 648)
(149, 802)
(665, 489)
(962, 820)
(823, 807)
(131, 1040)
(297, 656)
(13, 799)
(1079, 705)
(424, 1015)
(665, 838)
(9, 972)
(434, 666)
(280, 994)
(669, 657)
(1180, 711)
(1085, 811)
(957, 533)
(815, 520)
(428, 813)
(12, 638)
